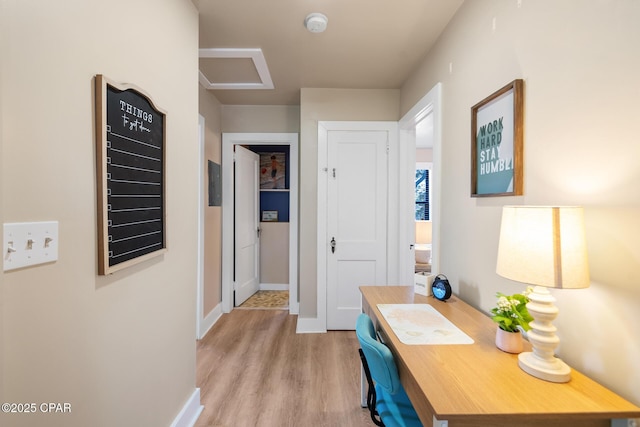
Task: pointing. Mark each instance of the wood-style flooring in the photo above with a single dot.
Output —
(254, 370)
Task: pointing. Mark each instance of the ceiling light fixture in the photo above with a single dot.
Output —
(316, 22)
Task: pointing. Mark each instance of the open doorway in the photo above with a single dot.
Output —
(420, 154)
(257, 140)
(269, 194)
(423, 186)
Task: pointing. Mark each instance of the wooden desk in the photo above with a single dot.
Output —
(478, 385)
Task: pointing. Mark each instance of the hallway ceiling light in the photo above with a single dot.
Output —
(316, 22)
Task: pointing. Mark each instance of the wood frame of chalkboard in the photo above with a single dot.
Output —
(130, 159)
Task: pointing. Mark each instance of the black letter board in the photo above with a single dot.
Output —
(130, 171)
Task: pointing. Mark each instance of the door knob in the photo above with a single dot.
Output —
(333, 245)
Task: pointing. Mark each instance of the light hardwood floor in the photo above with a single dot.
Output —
(254, 370)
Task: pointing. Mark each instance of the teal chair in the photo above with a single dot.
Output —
(387, 401)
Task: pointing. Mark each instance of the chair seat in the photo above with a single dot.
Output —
(396, 410)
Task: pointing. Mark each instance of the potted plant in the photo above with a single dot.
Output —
(511, 315)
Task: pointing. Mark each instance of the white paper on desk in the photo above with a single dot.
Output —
(420, 324)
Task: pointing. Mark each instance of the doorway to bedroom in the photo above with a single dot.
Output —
(420, 148)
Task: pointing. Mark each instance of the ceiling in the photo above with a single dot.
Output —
(372, 44)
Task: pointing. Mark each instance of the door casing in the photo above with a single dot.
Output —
(201, 329)
(428, 104)
(228, 210)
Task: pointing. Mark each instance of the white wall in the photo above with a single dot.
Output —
(580, 63)
(120, 349)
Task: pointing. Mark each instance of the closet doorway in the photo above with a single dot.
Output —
(288, 142)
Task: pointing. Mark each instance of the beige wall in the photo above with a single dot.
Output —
(261, 118)
(327, 105)
(210, 109)
(424, 155)
(580, 65)
(274, 252)
(120, 348)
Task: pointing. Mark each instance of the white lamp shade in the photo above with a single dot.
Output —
(423, 232)
(543, 245)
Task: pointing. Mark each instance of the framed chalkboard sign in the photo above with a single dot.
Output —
(130, 147)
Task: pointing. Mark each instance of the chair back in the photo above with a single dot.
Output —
(379, 357)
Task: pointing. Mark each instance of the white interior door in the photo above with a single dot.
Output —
(356, 220)
(247, 233)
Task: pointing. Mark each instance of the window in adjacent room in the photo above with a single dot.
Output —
(422, 194)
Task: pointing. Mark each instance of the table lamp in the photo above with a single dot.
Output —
(543, 246)
(423, 232)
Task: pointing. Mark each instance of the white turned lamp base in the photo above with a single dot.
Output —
(541, 363)
(554, 370)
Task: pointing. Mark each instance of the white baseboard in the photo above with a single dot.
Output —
(294, 308)
(310, 325)
(190, 411)
(274, 287)
(209, 320)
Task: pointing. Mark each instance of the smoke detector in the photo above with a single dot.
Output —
(316, 22)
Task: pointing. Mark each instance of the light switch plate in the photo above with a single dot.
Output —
(29, 243)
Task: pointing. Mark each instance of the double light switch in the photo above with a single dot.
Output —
(29, 243)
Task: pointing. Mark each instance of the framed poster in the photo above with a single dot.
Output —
(130, 162)
(496, 143)
(269, 216)
(272, 171)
